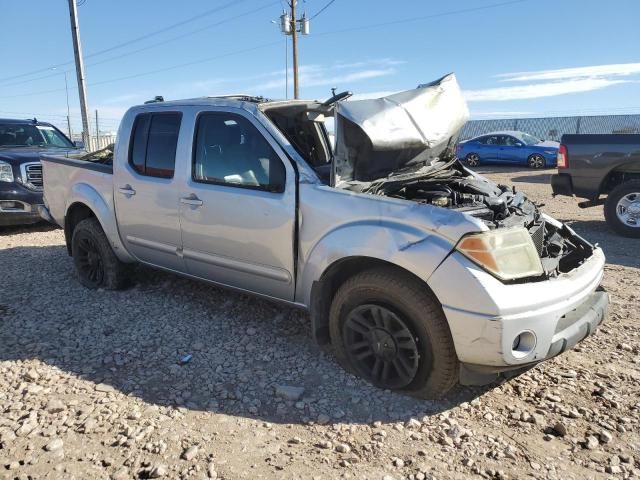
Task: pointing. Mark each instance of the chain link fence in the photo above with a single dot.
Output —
(552, 128)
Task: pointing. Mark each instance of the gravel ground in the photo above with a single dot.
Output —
(94, 384)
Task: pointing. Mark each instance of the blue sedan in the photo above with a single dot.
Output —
(508, 147)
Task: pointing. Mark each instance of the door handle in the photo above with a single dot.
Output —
(127, 190)
(192, 200)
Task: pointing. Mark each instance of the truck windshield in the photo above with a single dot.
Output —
(27, 135)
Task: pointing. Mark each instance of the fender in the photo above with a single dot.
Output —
(103, 210)
(414, 250)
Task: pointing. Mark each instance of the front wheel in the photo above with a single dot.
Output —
(536, 161)
(95, 262)
(472, 159)
(388, 329)
(622, 209)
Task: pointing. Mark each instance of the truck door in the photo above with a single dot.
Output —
(239, 208)
(146, 193)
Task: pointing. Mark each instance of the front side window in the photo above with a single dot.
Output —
(229, 150)
(154, 143)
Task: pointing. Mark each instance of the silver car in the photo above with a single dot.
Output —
(418, 271)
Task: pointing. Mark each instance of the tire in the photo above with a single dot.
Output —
(427, 356)
(96, 264)
(616, 208)
(536, 161)
(472, 159)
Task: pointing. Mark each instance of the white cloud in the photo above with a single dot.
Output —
(539, 90)
(612, 70)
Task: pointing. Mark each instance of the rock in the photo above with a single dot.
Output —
(251, 331)
(158, 471)
(211, 470)
(103, 387)
(325, 444)
(625, 346)
(31, 375)
(289, 393)
(323, 419)
(295, 440)
(560, 429)
(413, 424)
(54, 445)
(190, 453)
(398, 462)
(613, 469)
(605, 437)
(55, 406)
(343, 448)
(467, 462)
(591, 443)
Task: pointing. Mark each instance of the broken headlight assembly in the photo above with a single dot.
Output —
(508, 253)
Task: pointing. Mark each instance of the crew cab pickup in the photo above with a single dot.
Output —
(21, 144)
(590, 166)
(420, 272)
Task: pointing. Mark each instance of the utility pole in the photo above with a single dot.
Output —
(294, 41)
(82, 88)
(289, 26)
(97, 132)
(66, 89)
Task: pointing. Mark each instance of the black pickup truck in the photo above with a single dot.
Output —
(21, 144)
(590, 166)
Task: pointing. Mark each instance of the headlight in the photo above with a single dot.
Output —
(506, 253)
(6, 173)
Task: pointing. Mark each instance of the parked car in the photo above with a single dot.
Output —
(590, 166)
(21, 144)
(509, 147)
(420, 272)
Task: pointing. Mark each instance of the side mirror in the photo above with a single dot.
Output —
(78, 144)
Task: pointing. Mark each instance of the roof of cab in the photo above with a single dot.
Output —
(22, 121)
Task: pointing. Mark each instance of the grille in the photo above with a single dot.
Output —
(537, 235)
(33, 175)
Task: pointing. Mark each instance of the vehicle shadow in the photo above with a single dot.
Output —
(133, 341)
(541, 178)
(31, 228)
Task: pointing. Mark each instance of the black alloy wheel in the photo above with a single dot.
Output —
(381, 346)
(89, 261)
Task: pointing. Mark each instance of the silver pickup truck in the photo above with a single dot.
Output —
(418, 271)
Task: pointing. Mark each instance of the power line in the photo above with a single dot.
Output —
(422, 17)
(362, 27)
(322, 9)
(151, 72)
(134, 40)
(133, 52)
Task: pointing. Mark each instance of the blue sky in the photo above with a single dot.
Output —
(512, 58)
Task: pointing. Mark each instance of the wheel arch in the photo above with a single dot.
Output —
(334, 276)
(617, 176)
(85, 202)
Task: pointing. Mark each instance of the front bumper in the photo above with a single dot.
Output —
(486, 316)
(18, 205)
(561, 184)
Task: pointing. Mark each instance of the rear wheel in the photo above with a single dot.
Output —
(622, 209)
(472, 159)
(536, 161)
(95, 262)
(387, 328)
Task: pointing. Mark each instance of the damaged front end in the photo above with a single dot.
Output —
(403, 146)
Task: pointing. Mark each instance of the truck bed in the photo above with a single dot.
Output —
(64, 177)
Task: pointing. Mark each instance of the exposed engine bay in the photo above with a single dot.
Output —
(448, 184)
(403, 146)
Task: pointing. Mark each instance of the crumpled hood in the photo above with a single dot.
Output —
(19, 155)
(377, 137)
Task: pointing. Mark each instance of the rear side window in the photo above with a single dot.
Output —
(154, 143)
